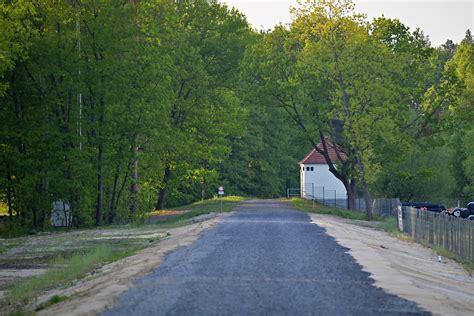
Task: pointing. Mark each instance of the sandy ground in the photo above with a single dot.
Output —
(28, 256)
(89, 297)
(406, 269)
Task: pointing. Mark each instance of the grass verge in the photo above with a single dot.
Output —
(307, 206)
(200, 208)
(65, 270)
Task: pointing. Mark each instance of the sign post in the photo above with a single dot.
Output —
(220, 192)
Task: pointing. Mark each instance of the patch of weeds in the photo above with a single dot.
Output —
(152, 240)
(307, 206)
(53, 300)
(65, 271)
(389, 224)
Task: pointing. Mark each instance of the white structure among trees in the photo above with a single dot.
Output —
(316, 181)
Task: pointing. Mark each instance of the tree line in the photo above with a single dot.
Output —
(124, 106)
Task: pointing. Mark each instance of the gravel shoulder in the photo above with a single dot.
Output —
(406, 269)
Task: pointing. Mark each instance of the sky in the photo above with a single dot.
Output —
(439, 19)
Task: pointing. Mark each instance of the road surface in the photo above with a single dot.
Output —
(263, 259)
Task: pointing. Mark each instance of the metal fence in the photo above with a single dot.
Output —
(324, 196)
(438, 229)
(386, 207)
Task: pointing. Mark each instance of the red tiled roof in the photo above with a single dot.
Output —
(314, 157)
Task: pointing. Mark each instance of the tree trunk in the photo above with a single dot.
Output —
(368, 201)
(100, 163)
(160, 204)
(44, 203)
(113, 202)
(122, 186)
(351, 195)
(134, 185)
(35, 223)
(203, 190)
(99, 206)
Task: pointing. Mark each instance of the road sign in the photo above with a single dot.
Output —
(220, 191)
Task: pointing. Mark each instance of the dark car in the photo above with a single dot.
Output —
(470, 206)
(467, 212)
(432, 207)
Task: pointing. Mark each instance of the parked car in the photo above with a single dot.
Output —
(464, 212)
(470, 206)
(432, 207)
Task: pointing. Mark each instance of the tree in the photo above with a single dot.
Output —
(208, 44)
(329, 68)
(459, 89)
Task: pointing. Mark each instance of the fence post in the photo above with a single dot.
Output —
(324, 203)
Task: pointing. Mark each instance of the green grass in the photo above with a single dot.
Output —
(65, 270)
(389, 224)
(307, 206)
(53, 300)
(201, 208)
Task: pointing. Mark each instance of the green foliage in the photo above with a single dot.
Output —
(121, 107)
(101, 99)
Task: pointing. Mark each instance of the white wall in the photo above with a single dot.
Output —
(320, 177)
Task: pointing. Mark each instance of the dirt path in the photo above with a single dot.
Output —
(90, 297)
(405, 269)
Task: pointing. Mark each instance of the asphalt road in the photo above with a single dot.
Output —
(265, 259)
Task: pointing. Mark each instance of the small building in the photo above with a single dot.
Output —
(316, 181)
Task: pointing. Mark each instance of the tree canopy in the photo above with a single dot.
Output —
(120, 107)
